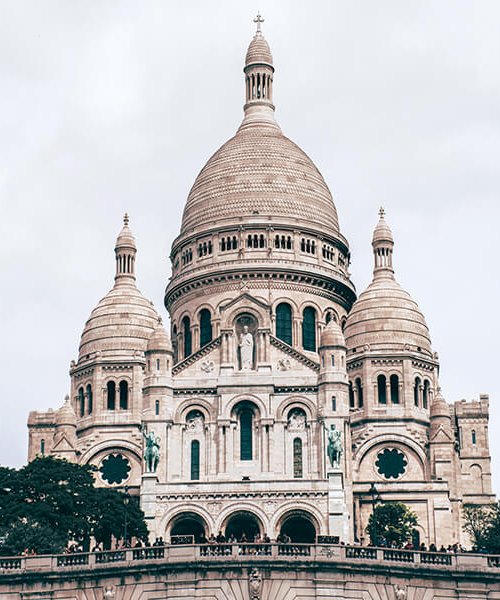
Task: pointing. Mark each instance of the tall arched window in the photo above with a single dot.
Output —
(111, 389)
(157, 407)
(474, 437)
(90, 400)
(284, 322)
(205, 327)
(123, 395)
(425, 394)
(309, 329)
(195, 459)
(381, 389)
(394, 383)
(416, 391)
(359, 389)
(351, 395)
(42, 446)
(246, 434)
(297, 457)
(81, 402)
(186, 333)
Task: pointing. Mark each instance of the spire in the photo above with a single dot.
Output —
(125, 251)
(383, 244)
(259, 72)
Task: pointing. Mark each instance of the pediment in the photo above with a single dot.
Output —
(63, 445)
(245, 300)
(441, 435)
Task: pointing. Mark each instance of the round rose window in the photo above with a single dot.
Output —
(114, 469)
(391, 463)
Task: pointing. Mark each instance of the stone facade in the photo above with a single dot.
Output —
(271, 355)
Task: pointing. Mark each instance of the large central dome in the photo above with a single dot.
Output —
(260, 172)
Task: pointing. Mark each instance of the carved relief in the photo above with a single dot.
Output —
(255, 584)
(284, 364)
(195, 422)
(270, 506)
(400, 592)
(296, 420)
(207, 366)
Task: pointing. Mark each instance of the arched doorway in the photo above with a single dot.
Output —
(243, 522)
(189, 524)
(299, 527)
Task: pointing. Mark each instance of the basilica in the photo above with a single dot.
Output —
(281, 402)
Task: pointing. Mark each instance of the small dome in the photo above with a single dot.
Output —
(332, 335)
(382, 232)
(258, 51)
(159, 340)
(66, 415)
(439, 407)
(385, 317)
(120, 325)
(125, 237)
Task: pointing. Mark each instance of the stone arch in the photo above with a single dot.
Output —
(289, 509)
(188, 522)
(334, 314)
(260, 314)
(249, 511)
(300, 402)
(194, 403)
(126, 451)
(288, 300)
(229, 408)
(195, 509)
(108, 445)
(396, 441)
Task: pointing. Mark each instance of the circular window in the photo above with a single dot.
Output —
(114, 468)
(391, 463)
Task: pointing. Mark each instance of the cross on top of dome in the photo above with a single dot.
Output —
(125, 219)
(381, 212)
(258, 20)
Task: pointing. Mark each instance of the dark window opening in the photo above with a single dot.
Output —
(309, 329)
(205, 327)
(123, 395)
(284, 322)
(297, 457)
(195, 459)
(111, 394)
(381, 389)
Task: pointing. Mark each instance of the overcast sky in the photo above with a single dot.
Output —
(114, 106)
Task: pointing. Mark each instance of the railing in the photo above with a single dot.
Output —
(269, 552)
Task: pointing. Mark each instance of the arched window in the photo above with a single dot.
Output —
(90, 400)
(81, 402)
(394, 383)
(157, 364)
(359, 389)
(186, 332)
(425, 394)
(123, 395)
(309, 329)
(297, 457)
(111, 389)
(416, 391)
(157, 407)
(195, 459)
(42, 446)
(381, 389)
(205, 327)
(351, 395)
(246, 434)
(474, 437)
(284, 322)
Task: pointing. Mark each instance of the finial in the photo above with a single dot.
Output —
(258, 20)
(66, 399)
(125, 219)
(381, 212)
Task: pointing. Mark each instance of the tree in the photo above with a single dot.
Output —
(482, 523)
(53, 495)
(392, 524)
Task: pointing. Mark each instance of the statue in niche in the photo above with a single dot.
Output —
(246, 349)
(296, 420)
(334, 447)
(399, 592)
(195, 421)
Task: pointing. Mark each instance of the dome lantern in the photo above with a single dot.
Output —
(125, 252)
(383, 244)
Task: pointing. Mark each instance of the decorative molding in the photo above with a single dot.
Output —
(180, 366)
(284, 347)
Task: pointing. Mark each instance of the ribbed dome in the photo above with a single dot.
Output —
(439, 407)
(332, 335)
(121, 324)
(385, 317)
(260, 172)
(258, 51)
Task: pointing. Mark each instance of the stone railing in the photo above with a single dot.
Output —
(269, 552)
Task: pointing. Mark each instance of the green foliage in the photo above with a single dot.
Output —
(50, 502)
(391, 523)
(482, 523)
